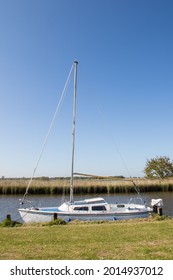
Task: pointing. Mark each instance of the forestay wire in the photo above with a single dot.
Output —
(48, 133)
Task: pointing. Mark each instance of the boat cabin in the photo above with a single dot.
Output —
(92, 204)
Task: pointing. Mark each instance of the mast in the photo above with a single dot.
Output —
(73, 130)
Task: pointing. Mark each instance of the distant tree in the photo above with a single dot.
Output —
(159, 167)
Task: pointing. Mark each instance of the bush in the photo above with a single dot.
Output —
(56, 222)
(9, 223)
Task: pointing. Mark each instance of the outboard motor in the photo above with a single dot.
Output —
(157, 205)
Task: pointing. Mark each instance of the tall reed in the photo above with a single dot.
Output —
(82, 186)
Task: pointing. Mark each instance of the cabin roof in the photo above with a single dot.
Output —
(90, 200)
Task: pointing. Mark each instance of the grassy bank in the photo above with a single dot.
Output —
(46, 185)
(125, 240)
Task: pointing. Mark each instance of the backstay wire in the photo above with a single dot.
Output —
(48, 133)
(123, 161)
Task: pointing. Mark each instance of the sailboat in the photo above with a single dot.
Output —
(91, 209)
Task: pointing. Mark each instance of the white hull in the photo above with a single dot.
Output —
(30, 216)
(68, 212)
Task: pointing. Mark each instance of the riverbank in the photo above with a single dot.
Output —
(60, 186)
(145, 239)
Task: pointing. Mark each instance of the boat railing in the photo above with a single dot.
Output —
(136, 200)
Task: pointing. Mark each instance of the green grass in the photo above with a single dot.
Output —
(124, 240)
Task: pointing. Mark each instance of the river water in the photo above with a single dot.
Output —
(9, 204)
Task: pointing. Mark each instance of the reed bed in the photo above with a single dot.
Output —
(60, 186)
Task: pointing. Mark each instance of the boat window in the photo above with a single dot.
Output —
(120, 205)
(99, 208)
(82, 208)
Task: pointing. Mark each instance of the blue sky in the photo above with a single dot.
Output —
(125, 85)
